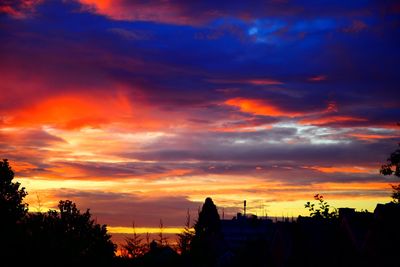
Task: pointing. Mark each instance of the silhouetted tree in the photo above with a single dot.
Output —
(133, 245)
(186, 236)
(64, 238)
(69, 237)
(162, 240)
(324, 209)
(209, 222)
(12, 215)
(147, 241)
(393, 168)
(207, 243)
(12, 209)
(396, 193)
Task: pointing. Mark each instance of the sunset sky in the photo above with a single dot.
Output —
(140, 110)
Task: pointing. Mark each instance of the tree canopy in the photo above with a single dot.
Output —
(12, 208)
(323, 211)
(69, 236)
(393, 165)
(393, 168)
(65, 237)
(207, 244)
(209, 222)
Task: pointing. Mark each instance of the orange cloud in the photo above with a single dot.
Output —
(78, 110)
(369, 137)
(167, 174)
(331, 120)
(73, 111)
(353, 186)
(244, 129)
(19, 166)
(258, 107)
(342, 169)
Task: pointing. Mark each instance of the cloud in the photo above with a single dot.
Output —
(19, 9)
(129, 34)
(333, 120)
(246, 124)
(195, 14)
(318, 78)
(259, 107)
(344, 169)
(278, 145)
(125, 10)
(28, 137)
(117, 170)
(356, 27)
(119, 209)
(369, 137)
(261, 82)
(63, 111)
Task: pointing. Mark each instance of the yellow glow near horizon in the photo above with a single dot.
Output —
(263, 197)
(143, 230)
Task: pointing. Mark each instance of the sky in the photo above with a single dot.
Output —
(139, 110)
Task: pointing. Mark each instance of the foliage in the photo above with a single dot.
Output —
(133, 246)
(393, 168)
(186, 236)
(323, 211)
(12, 215)
(393, 165)
(396, 194)
(93, 238)
(69, 236)
(208, 222)
(57, 238)
(12, 209)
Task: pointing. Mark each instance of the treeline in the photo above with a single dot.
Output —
(68, 237)
(63, 237)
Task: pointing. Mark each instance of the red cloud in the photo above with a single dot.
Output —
(371, 137)
(72, 111)
(327, 120)
(19, 9)
(260, 81)
(163, 11)
(318, 78)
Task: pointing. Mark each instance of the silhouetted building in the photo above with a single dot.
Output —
(245, 228)
(352, 239)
